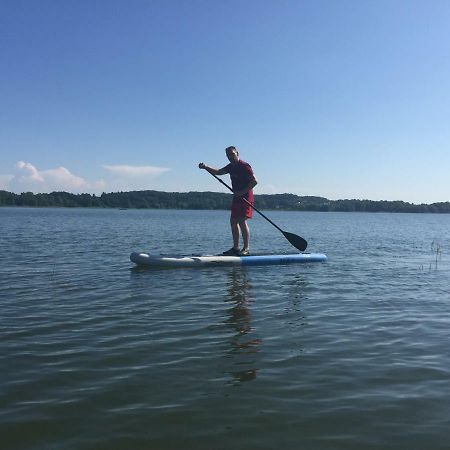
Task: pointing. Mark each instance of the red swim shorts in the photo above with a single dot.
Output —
(240, 209)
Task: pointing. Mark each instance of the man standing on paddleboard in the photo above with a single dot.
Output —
(243, 181)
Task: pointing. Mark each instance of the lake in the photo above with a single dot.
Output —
(348, 354)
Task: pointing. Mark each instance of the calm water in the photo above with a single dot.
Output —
(349, 354)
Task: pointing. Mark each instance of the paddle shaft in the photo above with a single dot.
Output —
(297, 241)
(248, 203)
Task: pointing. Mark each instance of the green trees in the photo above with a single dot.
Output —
(211, 200)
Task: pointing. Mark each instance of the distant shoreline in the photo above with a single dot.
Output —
(212, 201)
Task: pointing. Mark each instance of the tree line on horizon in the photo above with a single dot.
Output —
(211, 200)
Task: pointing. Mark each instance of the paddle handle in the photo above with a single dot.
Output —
(248, 203)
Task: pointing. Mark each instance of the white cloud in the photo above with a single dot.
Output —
(133, 171)
(132, 178)
(268, 189)
(28, 177)
(4, 182)
(28, 173)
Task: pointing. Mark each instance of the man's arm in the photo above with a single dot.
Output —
(221, 171)
(252, 183)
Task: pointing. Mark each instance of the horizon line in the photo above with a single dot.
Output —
(223, 193)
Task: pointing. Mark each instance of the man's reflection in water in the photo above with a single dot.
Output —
(244, 345)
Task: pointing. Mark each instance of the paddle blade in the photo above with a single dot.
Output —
(297, 241)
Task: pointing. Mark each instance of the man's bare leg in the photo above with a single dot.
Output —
(245, 230)
(235, 231)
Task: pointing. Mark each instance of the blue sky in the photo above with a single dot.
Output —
(342, 99)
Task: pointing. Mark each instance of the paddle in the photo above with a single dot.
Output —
(297, 241)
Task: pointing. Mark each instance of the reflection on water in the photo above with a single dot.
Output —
(297, 290)
(243, 344)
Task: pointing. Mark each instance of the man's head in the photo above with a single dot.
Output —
(232, 154)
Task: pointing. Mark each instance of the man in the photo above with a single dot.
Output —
(243, 181)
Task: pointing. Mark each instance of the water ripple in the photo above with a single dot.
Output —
(348, 354)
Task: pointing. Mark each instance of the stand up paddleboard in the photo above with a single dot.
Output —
(144, 259)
